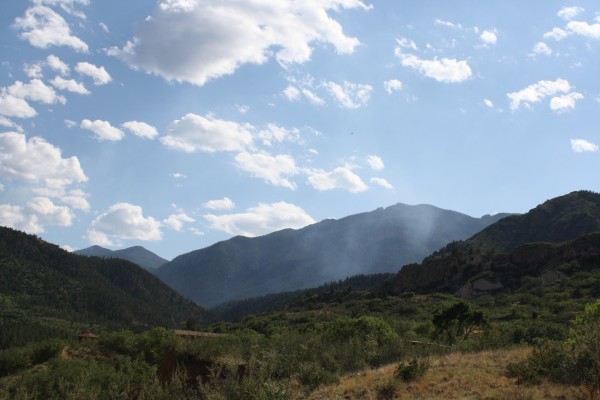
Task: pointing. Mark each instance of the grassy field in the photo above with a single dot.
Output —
(454, 376)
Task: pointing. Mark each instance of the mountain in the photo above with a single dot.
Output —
(508, 249)
(373, 242)
(136, 254)
(39, 279)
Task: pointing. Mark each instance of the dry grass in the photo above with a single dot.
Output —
(455, 376)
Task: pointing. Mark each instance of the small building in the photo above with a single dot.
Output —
(196, 334)
(87, 336)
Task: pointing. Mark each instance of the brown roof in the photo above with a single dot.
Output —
(181, 332)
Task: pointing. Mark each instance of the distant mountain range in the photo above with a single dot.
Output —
(39, 279)
(136, 254)
(374, 242)
(516, 246)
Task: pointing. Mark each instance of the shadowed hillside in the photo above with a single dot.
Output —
(368, 243)
(136, 254)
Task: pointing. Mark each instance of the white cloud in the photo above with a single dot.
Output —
(556, 34)
(542, 48)
(12, 106)
(393, 85)
(446, 70)
(33, 70)
(67, 5)
(141, 129)
(566, 102)
(37, 161)
(176, 221)
(70, 123)
(489, 37)
(75, 198)
(383, 183)
(274, 169)
(197, 41)
(103, 130)
(195, 133)
(7, 123)
(375, 162)
(43, 28)
(291, 93)
(339, 178)
(177, 175)
(407, 43)
(537, 91)
(349, 95)
(224, 204)
(36, 90)
(580, 146)
(104, 27)
(273, 133)
(57, 65)
(37, 214)
(70, 85)
(447, 23)
(584, 29)
(488, 103)
(312, 97)
(98, 74)
(260, 220)
(569, 13)
(123, 221)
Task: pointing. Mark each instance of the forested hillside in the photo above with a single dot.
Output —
(44, 288)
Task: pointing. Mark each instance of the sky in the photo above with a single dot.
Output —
(175, 124)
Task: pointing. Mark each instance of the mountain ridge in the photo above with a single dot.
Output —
(136, 254)
(378, 241)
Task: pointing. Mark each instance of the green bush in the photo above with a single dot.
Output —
(387, 390)
(411, 371)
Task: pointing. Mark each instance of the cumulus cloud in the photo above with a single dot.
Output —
(488, 103)
(33, 70)
(383, 183)
(542, 48)
(141, 129)
(98, 74)
(36, 90)
(123, 221)
(582, 28)
(70, 85)
(176, 221)
(12, 106)
(312, 97)
(194, 133)
(581, 145)
(447, 70)
(223, 204)
(393, 85)
(193, 41)
(43, 28)
(291, 93)
(276, 170)
(102, 129)
(36, 161)
(488, 37)
(57, 65)
(537, 91)
(556, 34)
(569, 13)
(37, 214)
(339, 178)
(260, 220)
(67, 5)
(349, 95)
(7, 123)
(375, 162)
(566, 102)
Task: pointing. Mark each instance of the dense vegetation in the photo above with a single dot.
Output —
(48, 292)
(540, 295)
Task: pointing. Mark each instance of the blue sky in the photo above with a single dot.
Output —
(174, 124)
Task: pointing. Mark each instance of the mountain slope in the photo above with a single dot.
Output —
(39, 278)
(508, 249)
(367, 243)
(136, 254)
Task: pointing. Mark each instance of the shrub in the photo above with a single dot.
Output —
(387, 390)
(411, 371)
